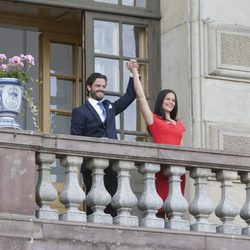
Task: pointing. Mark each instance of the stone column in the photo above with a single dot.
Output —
(150, 201)
(227, 208)
(201, 207)
(72, 196)
(245, 210)
(45, 191)
(124, 199)
(175, 204)
(98, 197)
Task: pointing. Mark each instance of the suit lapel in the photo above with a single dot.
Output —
(93, 112)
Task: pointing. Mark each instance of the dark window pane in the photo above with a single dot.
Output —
(134, 41)
(137, 3)
(110, 68)
(107, 1)
(61, 94)
(59, 124)
(130, 117)
(61, 58)
(106, 37)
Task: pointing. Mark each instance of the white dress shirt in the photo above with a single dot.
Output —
(97, 108)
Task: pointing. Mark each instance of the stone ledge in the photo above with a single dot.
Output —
(38, 234)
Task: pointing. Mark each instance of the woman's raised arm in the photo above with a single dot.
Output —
(146, 112)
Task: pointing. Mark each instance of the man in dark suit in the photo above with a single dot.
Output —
(96, 118)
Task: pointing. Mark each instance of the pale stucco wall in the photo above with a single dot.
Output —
(205, 46)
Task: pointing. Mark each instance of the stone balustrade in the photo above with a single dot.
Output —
(146, 158)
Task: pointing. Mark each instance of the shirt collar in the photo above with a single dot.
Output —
(92, 101)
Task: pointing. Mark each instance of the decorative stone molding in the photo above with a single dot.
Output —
(245, 210)
(227, 208)
(124, 200)
(175, 205)
(201, 207)
(98, 197)
(228, 138)
(149, 201)
(200, 163)
(72, 196)
(45, 191)
(227, 50)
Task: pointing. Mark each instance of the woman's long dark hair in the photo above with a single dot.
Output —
(158, 104)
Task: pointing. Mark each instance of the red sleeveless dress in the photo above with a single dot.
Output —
(170, 134)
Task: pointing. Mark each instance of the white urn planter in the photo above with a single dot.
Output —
(10, 102)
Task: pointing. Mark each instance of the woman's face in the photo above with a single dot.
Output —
(168, 103)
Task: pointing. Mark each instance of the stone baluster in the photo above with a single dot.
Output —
(245, 210)
(72, 196)
(175, 205)
(201, 207)
(150, 201)
(227, 208)
(45, 191)
(98, 197)
(124, 199)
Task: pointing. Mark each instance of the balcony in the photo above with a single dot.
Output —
(27, 220)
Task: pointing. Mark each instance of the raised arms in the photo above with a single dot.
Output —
(146, 112)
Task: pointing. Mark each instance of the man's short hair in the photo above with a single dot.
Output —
(91, 79)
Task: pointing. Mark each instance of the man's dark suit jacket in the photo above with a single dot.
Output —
(86, 122)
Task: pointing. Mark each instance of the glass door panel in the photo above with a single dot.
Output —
(136, 3)
(106, 37)
(134, 41)
(60, 124)
(107, 1)
(61, 87)
(61, 94)
(110, 68)
(61, 58)
(115, 43)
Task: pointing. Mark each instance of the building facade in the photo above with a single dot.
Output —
(199, 48)
(72, 39)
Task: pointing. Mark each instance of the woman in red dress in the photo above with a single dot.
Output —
(162, 124)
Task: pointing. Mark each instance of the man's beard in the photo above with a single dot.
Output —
(95, 96)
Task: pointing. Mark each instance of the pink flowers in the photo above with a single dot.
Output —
(16, 66)
(17, 61)
(2, 57)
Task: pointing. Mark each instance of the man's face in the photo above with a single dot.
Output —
(98, 89)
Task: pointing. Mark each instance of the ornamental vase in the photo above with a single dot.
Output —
(10, 102)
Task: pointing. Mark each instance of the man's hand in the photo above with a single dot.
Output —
(132, 65)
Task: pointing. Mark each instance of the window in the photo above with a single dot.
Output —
(62, 41)
(134, 3)
(112, 42)
(64, 82)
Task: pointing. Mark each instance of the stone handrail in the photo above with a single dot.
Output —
(44, 149)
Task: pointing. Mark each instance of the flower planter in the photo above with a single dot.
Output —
(10, 102)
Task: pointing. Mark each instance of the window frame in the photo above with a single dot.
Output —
(153, 58)
(45, 41)
(152, 9)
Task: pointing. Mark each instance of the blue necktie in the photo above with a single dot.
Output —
(104, 112)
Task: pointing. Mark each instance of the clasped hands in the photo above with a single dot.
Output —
(132, 65)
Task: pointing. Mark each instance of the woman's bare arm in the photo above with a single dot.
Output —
(146, 112)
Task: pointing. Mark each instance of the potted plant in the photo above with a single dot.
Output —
(13, 87)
